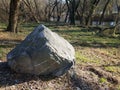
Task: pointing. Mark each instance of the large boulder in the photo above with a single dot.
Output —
(43, 52)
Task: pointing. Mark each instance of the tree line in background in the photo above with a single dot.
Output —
(82, 12)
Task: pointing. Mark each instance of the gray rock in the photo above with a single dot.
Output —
(43, 52)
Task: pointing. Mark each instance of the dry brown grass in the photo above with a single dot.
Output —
(89, 52)
(10, 36)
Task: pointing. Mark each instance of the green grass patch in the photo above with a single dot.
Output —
(3, 26)
(118, 87)
(86, 38)
(115, 69)
(1, 53)
(83, 59)
(4, 51)
(103, 80)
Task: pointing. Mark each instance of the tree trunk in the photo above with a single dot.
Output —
(117, 18)
(82, 19)
(103, 12)
(72, 8)
(37, 9)
(66, 16)
(72, 13)
(94, 4)
(13, 16)
(118, 12)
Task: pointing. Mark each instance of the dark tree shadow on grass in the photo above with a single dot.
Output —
(4, 44)
(9, 42)
(86, 43)
(96, 45)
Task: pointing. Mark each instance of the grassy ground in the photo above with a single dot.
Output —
(97, 58)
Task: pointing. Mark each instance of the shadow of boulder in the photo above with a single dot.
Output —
(9, 78)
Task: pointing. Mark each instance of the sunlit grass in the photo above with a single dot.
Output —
(102, 80)
(1, 53)
(115, 69)
(82, 59)
(3, 26)
(118, 87)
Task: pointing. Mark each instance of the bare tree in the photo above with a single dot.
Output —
(103, 12)
(118, 11)
(31, 9)
(13, 16)
(93, 5)
(56, 10)
(82, 17)
(4, 10)
(72, 8)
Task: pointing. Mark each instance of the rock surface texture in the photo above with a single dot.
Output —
(43, 52)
